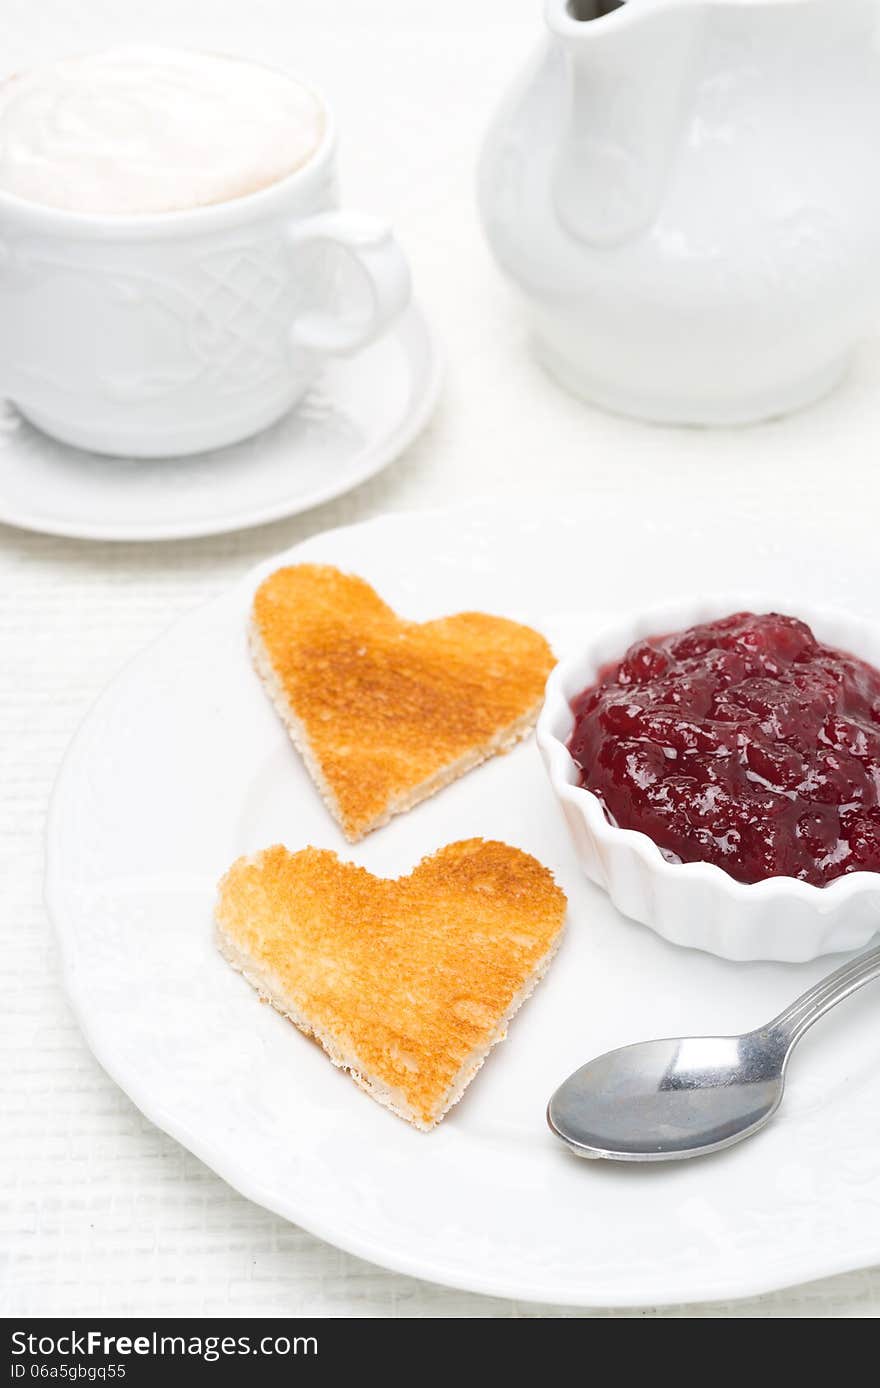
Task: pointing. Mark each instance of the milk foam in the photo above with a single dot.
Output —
(146, 130)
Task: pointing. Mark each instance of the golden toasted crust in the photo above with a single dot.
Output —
(407, 982)
(383, 710)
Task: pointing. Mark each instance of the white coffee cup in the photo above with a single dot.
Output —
(164, 334)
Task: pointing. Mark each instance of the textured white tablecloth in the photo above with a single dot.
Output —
(100, 1212)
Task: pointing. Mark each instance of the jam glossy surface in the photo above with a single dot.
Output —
(743, 742)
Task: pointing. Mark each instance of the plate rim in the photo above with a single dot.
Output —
(769, 1275)
(373, 461)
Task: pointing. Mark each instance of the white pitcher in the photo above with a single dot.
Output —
(687, 192)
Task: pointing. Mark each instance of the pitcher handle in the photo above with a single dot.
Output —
(371, 245)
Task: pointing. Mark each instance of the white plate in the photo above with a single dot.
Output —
(359, 416)
(182, 765)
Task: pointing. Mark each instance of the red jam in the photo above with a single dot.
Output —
(743, 743)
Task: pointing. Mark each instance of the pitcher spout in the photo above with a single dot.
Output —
(631, 68)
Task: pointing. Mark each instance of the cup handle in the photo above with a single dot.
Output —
(372, 247)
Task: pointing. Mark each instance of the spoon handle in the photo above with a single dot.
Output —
(827, 993)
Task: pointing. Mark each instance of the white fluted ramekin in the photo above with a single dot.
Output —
(698, 904)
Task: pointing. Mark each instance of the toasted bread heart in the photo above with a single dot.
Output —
(405, 983)
(385, 711)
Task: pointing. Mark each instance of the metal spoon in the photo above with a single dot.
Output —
(663, 1100)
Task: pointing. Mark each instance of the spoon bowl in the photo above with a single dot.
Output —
(685, 1097)
(659, 1100)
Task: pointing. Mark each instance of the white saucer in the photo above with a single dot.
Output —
(360, 415)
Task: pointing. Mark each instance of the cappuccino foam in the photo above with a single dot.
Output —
(146, 130)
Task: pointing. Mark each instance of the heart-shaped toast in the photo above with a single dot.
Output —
(385, 711)
(407, 983)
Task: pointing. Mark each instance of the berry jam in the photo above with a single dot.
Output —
(744, 743)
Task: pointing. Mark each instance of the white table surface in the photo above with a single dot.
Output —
(100, 1212)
